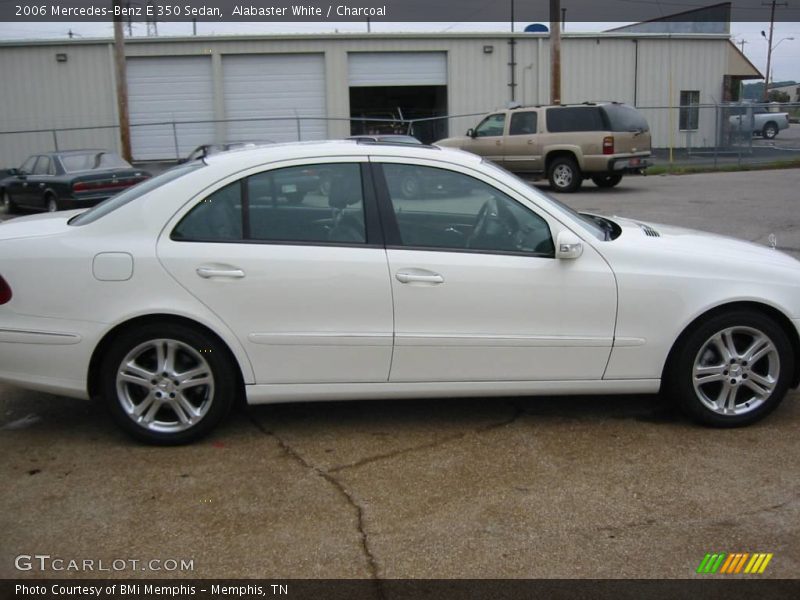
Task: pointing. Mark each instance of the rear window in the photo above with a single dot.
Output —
(575, 118)
(625, 118)
(133, 192)
(90, 161)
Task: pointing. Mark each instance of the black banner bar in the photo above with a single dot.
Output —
(713, 587)
(445, 11)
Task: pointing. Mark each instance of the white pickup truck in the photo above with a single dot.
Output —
(758, 119)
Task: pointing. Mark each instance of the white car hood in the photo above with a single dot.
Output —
(680, 240)
(38, 225)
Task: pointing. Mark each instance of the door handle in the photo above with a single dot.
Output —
(498, 143)
(415, 277)
(209, 272)
(530, 142)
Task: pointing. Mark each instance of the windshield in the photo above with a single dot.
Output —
(90, 161)
(596, 229)
(625, 118)
(134, 192)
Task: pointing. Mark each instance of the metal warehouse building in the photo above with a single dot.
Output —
(188, 91)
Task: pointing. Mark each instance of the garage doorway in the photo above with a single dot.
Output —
(396, 104)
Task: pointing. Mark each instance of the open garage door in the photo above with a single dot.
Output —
(398, 85)
(165, 90)
(278, 85)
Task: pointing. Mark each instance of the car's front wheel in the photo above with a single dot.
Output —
(564, 174)
(8, 203)
(732, 370)
(51, 203)
(167, 384)
(607, 181)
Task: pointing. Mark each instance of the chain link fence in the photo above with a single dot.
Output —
(702, 134)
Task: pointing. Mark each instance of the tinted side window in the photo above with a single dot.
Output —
(491, 126)
(217, 218)
(625, 118)
(310, 203)
(522, 123)
(575, 118)
(42, 166)
(27, 166)
(458, 212)
(313, 203)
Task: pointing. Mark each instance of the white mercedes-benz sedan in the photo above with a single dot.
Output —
(309, 272)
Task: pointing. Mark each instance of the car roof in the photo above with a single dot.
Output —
(246, 157)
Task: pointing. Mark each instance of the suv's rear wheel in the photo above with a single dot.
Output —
(607, 181)
(564, 174)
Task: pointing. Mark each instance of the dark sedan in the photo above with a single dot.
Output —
(64, 180)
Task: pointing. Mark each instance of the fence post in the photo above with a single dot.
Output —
(175, 140)
(297, 121)
(717, 133)
(55, 140)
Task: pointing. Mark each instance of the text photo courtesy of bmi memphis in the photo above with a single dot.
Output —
(400, 299)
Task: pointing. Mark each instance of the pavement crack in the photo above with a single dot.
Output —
(289, 451)
(516, 414)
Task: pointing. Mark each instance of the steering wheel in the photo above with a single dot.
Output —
(494, 223)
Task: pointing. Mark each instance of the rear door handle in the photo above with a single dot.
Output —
(419, 277)
(209, 272)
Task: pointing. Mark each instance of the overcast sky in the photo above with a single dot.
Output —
(785, 56)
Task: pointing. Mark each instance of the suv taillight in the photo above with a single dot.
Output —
(5, 291)
(608, 144)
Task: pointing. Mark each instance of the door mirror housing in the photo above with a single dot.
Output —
(13, 172)
(471, 133)
(568, 245)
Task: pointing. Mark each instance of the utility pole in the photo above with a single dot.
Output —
(122, 88)
(742, 42)
(772, 5)
(555, 52)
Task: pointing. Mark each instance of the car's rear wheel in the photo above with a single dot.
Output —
(564, 174)
(8, 203)
(607, 181)
(51, 203)
(770, 130)
(167, 384)
(732, 370)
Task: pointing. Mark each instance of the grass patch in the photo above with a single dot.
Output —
(678, 169)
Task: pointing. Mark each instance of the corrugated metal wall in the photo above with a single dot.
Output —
(48, 94)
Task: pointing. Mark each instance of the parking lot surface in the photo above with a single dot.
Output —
(561, 487)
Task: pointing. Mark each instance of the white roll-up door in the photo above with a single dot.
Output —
(397, 68)
(163, 90)
(289, 89)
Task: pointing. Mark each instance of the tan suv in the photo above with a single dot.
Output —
(569, 143)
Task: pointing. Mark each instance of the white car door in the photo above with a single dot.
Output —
(478, 294)
(291, 259)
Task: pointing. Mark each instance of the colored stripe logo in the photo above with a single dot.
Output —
(734, 563)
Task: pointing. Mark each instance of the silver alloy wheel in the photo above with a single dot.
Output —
(165, 385)
(736, 371)
(562, 176)
(770, 131)
(52, 205)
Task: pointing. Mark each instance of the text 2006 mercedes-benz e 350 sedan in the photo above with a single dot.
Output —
(217, 279)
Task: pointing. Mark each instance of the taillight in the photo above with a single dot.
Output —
(5, 291)
(608, 144)
(80, 186)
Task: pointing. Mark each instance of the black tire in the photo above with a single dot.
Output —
(564, 175)
(697, 349)
(770, 130)
(607, 181)
(51, 203)
(212, 401)
(8, 203)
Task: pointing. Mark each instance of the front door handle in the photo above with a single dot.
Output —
(209, 272)
(419, 277)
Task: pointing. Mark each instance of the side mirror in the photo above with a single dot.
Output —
(13, 172)
(568, 245)
(471, 133)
